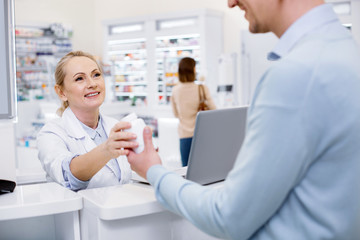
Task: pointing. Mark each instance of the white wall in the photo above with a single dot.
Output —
(117, 9)
(77, 13)
(86, 17)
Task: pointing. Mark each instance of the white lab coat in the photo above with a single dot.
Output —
(65, 137)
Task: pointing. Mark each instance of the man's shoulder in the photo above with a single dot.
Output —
(330, 42)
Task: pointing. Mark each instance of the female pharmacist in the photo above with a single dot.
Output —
(84, 149)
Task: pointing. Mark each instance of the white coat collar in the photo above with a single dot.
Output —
(74, 128)
(72, 125)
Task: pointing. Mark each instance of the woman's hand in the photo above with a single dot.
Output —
(119, 141)
(85, 166)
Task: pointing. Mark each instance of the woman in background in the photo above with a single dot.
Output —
(84, 149)
(185, 102)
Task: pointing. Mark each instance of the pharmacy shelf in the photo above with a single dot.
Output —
(36, 58)
(155, 44)
(130, 83)
(131, 94)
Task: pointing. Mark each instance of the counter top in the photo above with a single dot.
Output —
(121, 201)
(38, 200)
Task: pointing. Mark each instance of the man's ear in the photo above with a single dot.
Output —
(60, 93)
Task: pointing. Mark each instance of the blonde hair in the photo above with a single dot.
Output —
(60, 73)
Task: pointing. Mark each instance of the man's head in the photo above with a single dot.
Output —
(273, 15)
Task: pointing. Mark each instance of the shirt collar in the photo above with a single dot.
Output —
(93, 132)
(308, 22)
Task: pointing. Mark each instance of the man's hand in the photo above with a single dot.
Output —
(119, 141)
(141, 162)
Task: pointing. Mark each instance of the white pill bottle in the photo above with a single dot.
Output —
(137, 127)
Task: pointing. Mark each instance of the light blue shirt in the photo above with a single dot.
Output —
(99, 136)
(297, 175)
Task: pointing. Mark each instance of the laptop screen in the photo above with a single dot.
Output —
(217, 140)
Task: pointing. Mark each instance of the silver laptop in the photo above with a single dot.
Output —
(217, 140)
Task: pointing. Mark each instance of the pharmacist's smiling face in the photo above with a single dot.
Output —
(84, 86)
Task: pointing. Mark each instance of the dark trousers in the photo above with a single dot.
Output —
(185, 145)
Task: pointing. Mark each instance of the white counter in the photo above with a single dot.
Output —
(50, 211)
(122, 201)
(40, 211)
(131, 211)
